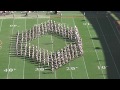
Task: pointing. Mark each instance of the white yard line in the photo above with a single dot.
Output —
(85, 67)
(82, 56)
(24, 57)
(66, 45)
(10, 49)
(113, 29)
(1, 24)
(38, 45)
(108, 48)
(69, 64)
(95, 49)
(53, 51)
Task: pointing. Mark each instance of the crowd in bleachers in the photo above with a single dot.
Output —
(3, 13)
(6, 12)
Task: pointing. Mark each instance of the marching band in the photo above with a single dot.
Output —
(56, 59)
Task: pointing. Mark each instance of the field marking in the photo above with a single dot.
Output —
(66, 45)
(53, 50)
(113, 29)
(10, 49)
(82, 56)
(24, 57)
(85, 67)
(1, 24)
(108, 47)
(38, 45)
(95, 49)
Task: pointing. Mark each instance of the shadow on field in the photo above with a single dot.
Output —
(95, 38)
(109, 42)
(98, 48)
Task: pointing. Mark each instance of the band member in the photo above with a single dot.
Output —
(33, 51)
(29, 51)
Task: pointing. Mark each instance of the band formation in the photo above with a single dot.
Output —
(53, 60)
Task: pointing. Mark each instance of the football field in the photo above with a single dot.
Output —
(101, 46)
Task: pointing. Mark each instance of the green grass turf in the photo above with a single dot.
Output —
(87, 65)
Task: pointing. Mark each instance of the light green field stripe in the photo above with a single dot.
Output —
(29, 70)
(47, 39)
(70, 23)
(59, 43)
(4, 57)
(71, 13)
(45, 42)
(48, 46)
(59, 20)
(16, 62)
(61, 72)
(80, 72)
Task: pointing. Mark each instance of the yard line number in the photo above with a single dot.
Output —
(71, 68)
(86, 23)
(39, 69)
(13, 25)
(102, 67)
(9, 69)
